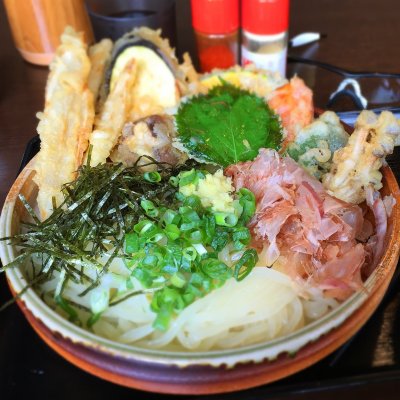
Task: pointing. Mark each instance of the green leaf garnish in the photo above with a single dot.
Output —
(227, 125)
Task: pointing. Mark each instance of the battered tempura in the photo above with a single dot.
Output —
(114, 114)
(100, 55)
(66, 122)
(356, 166)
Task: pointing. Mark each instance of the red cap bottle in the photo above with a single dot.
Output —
(264, 33)
(265, 17)
(215, 16)
(216, 24)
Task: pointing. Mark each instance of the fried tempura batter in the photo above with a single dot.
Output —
(66, 122)
(100, 55)
(151, 136)
(114, 114)
(185, 73)
(356, 166)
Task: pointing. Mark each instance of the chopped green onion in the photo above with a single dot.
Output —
(200, 248)
(153, 177)
(93, 319)
(172, 232)
(188, 226)
(150, 261)
(193, 237)
(188, 177)
(156, 238)
(144, 226)
(241, 237)
(174, 181)
(130, 262)
(163, 318)
(209, 228)
(226, 219)
(64, 305)
(190, 253)
(248, 201)
(129, 283)
(143, 276)
(180, 196)
(60, 284)
(188, 214)
(192, 201)
(246, 264)
(238, 207)
(193, 290)
(216, 269)
(131, 243)
(149, 208)
(171, 217)
(196, 279)
(246, 194)
(99, 300)
(178, 280)
(220, 240)
(188, 298)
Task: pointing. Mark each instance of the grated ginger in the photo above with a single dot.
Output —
(214, 191)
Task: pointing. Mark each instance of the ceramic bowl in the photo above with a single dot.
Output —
(196, 372)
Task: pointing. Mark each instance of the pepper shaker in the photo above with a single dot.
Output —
(265, 33)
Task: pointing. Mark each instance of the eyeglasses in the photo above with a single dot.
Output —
(341, 90)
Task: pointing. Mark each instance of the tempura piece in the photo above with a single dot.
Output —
(114, 114)
(315, 144)
(357, 165)
(66, 122)
(258, 81)
(185, 73)
(156, 86)
(293, 103)
(151, 136)
(100, 56)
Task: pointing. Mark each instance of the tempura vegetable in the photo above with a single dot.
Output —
(114, 114)
(356, 166)
(151, 136)
(66, 122)
(100, 55)
(185, 73)
(315, 144)
(156, 85)
(258, 81)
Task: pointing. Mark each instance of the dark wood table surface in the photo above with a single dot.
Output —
(361, 35)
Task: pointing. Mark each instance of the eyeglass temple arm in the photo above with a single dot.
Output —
(340, 71)
(349, 117)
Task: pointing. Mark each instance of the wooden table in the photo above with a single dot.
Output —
(361, 35)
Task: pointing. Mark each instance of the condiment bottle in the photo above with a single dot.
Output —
(265, 33)
(37, 26)
(216, 26)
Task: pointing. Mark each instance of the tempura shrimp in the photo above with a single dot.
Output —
(293, 103)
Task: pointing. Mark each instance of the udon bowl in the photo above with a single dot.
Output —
(196, 372)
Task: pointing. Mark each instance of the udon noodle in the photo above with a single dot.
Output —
(264, 306)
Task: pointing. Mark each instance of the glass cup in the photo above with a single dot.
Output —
(111, 19)
(37, 25)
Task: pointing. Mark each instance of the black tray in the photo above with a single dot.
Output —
(30, 369)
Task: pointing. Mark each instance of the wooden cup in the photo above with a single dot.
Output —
(37, 25)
